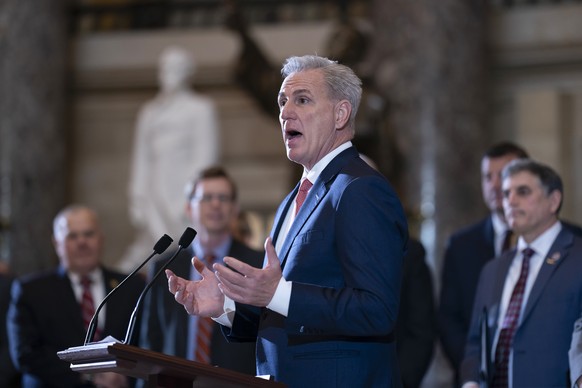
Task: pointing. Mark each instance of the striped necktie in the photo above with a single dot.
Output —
(302, 194)
(88, 305)
(509, 325)
(205, 327)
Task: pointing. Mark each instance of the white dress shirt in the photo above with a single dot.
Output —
(97, 291)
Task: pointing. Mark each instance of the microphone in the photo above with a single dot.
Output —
(183, 243)
(162, 244)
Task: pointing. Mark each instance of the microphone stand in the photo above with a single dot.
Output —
(162, 244)
(184, 242)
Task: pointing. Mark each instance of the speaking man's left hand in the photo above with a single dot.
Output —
(246, 284)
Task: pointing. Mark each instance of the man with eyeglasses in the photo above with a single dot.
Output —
(211, 207)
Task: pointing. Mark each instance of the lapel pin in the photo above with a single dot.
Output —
(553, 259)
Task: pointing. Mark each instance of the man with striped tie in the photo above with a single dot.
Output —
(211, 207)
(49, 311)
(533, 293)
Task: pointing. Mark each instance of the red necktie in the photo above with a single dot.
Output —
(87, 304)
(509, 325)
(205, 328)
(302, 194)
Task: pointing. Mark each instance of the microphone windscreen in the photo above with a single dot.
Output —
(187, 237)
(163, 244)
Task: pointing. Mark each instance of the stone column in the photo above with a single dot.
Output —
(429, 61)
(33, 44)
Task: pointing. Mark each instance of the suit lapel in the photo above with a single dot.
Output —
(312, 200)
(278, 223)
(320, 188)
(73, 323)
(556, 256)
(110, 281)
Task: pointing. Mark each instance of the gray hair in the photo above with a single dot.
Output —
(59, 222)
(342, 83)
(549, 179)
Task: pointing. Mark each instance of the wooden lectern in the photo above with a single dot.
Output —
(157, 369)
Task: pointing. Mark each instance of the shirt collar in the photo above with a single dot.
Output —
(314, 173)
(96, 276)
(543, 243)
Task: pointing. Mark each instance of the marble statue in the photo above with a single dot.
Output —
(177, 135)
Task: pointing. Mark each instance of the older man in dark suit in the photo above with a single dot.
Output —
(48, 311)
(533, 293)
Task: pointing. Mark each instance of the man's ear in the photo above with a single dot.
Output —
(556, 199)
(343, 109)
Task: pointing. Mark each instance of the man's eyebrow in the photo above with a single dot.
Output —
(295, 92)
(302, 91)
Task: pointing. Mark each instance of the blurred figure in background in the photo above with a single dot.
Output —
(50, 311)
(468, 250)
(416, 327)
(211, 206)
(532, 293)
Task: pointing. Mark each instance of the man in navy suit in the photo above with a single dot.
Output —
(549, 299)
(467, 252)
(324, 306)
(211, 207)
(469, 249)
(45, 314)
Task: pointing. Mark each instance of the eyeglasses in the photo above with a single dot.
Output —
(207, 198)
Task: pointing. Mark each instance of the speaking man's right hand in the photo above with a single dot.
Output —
(199, 297)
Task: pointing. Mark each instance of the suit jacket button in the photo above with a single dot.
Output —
(302, 329)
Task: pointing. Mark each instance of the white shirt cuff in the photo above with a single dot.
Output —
(282, 297)
(227, 318)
